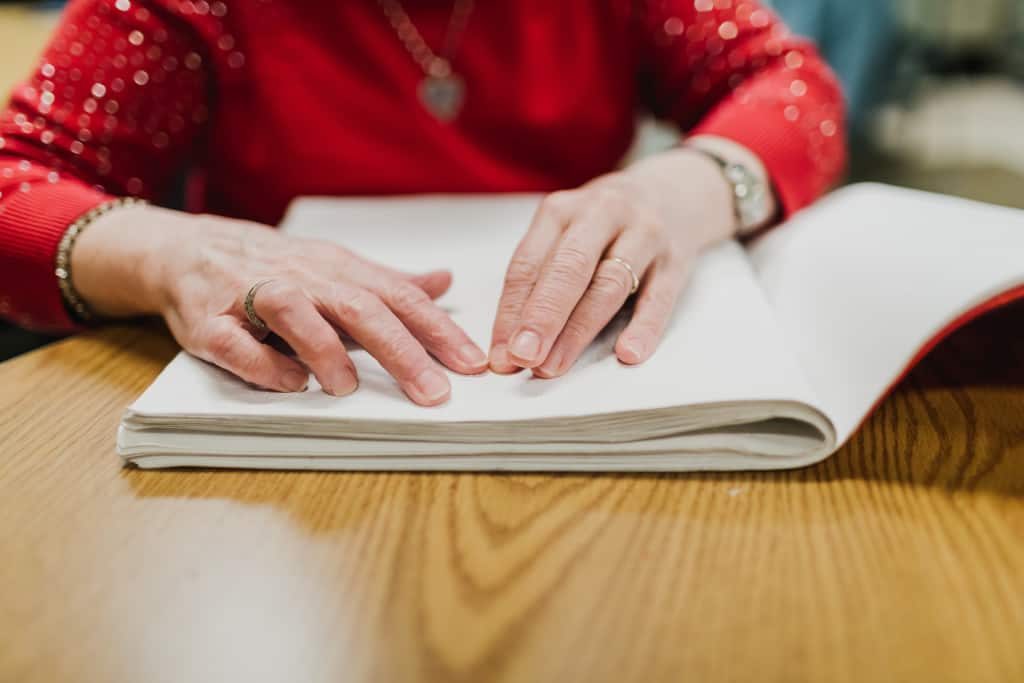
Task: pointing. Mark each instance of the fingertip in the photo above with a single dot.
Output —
(295, 380)
(473, 361)
(430, 388)
(434, 283)
(343, 388)
(525, 349)
(505, 368)
(555, 365)
(631, 351)
(426, 402)
(500, 363)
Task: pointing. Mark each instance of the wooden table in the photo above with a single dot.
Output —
(900, 559)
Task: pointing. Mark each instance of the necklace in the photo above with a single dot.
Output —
(441, 91)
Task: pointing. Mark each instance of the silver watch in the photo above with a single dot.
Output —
(750, 193)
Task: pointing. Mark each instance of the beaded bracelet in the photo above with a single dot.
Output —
(74, 303)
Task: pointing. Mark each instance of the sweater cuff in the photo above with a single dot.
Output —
(801, 166)
(783, 156)
(31, 226)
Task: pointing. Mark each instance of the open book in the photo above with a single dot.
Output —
(775, 355)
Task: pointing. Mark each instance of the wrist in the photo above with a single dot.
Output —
(117, 262)
(689, 193)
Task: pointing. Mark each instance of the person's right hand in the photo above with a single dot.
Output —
(197, 271)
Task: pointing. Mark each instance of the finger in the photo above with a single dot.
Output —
(435, 283)
(433, 327)
(288, 312)
(365, 273)
(372, 324)
(562, 283)
(655, 304)
(612, 285)
(549, 222)
(225, 344)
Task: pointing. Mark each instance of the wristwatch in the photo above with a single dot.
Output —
(750, 192)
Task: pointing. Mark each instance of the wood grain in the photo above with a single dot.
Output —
(901, 558)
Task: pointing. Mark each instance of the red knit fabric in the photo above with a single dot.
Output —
(265, 100)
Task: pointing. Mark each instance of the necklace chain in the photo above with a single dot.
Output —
(434, 65)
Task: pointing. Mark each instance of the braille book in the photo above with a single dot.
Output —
(776, 353)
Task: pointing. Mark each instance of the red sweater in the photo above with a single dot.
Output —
(265, 100)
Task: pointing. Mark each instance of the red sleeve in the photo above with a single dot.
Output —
(734, 70)
(113, 107)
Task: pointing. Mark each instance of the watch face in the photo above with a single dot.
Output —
(750, 196)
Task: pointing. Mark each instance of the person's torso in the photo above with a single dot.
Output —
(323, 98)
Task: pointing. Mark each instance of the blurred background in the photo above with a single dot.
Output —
(935, 90)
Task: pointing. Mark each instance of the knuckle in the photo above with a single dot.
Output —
(521, 271)
(557, 205)
(405, 354)
(322, 344)
(651, 229)
(509, 307)
(219, 344)
(607, 285)
(545, 308)
(437, 336)
(405, 296)
(570, 260)
(578, 330)
(612, 200)
(357, 306)
(275, 299)
(241, 362)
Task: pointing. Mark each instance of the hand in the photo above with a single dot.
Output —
(561, 286)
(201, 269)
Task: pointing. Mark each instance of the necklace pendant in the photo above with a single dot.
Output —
(442, 95)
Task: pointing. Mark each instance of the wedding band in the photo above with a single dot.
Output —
(250, 311)
(632, 273)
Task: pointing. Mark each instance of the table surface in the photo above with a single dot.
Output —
(899, 558)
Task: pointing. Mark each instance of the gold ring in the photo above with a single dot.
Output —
(250, 311)
(632, 273)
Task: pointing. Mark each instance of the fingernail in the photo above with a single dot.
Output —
(525, 346)
(344, 385)
(552, 366)
(472, 356)
(500, 361)
(432, 385)
(634, 350)
(295, 380)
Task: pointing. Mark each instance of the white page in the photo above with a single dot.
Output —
(865, 278)
(723, 344)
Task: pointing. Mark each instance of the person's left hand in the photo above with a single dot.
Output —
(568, 278)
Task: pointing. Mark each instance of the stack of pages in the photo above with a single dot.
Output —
(776, 352)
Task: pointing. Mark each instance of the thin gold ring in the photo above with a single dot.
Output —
(250, 311)
(632, 273)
